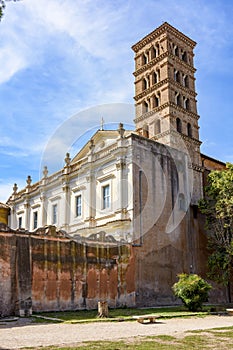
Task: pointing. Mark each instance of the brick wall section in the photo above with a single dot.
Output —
(7, 273)
(50, 272)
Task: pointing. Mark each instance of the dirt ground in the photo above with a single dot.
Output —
(23, 333)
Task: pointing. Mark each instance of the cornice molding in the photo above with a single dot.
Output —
(78, 188)
(151, 89)
(162, 83)
(148, 114)
(164, 28)
(159, 59)
(166, 105)
(150, 64)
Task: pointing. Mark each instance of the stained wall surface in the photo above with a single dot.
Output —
(48, 271)
(169, 231)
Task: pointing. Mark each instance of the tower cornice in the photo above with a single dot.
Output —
(164, 28)
(159, 59)
(154, 87)
(162, 107)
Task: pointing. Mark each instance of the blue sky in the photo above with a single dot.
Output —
(60, 57)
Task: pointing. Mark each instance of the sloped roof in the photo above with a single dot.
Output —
(101, 137)
(4, 206)
(158, 31)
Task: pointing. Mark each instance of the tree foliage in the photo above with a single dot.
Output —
(218, 208)
(2, 7)
(192, 290)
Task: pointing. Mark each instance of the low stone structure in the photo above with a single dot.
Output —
(47, 271)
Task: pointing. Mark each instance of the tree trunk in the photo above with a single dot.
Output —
(102, 309)
(229, 291)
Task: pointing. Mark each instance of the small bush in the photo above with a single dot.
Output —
(192, 290)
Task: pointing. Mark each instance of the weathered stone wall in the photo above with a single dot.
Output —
(68, 275)
(170, 235)
(47, 271)
(7, 273)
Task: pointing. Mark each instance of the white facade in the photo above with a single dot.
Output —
(120, 184)
(93, 190)
(103, 187)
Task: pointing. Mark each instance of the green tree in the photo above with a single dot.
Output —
(218, 209)
(192, 290)
(2, 7)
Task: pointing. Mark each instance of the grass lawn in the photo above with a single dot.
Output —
(219, 338)
(124, 314)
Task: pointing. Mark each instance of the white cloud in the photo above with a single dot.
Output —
(88, 23)
(99, 28)
(10, 63)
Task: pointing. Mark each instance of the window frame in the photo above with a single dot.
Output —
(20, 222)
(106, 198)
(54, 214)
(78, 205)
(179, 125)
(35, 220)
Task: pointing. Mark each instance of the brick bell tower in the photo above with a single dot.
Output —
(165, 96)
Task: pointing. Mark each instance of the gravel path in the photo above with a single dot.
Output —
(15, 335)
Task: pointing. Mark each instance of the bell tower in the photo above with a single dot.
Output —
(165, 96)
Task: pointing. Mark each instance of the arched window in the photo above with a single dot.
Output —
(177, 76)
(178, 125)
(153, 52)
(189, 130)
(185, 81)
(176, 51)
(145, 107)
(144, 59)
(177, 99)
(157, 127)
(155, 78)
(186, 104)
(156, 101)
(182, 202)
(184, 56)
(144, 84)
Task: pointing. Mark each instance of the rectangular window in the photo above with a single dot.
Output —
(54, 214)
(35, 219)
(20, 222)
(106, 196)
(79, 205)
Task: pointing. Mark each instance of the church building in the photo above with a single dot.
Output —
(140, 188)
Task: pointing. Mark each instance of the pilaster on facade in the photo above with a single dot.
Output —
(27, 214)
(91, 198)
(44, 208)
(122, 185)
(66, 206)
